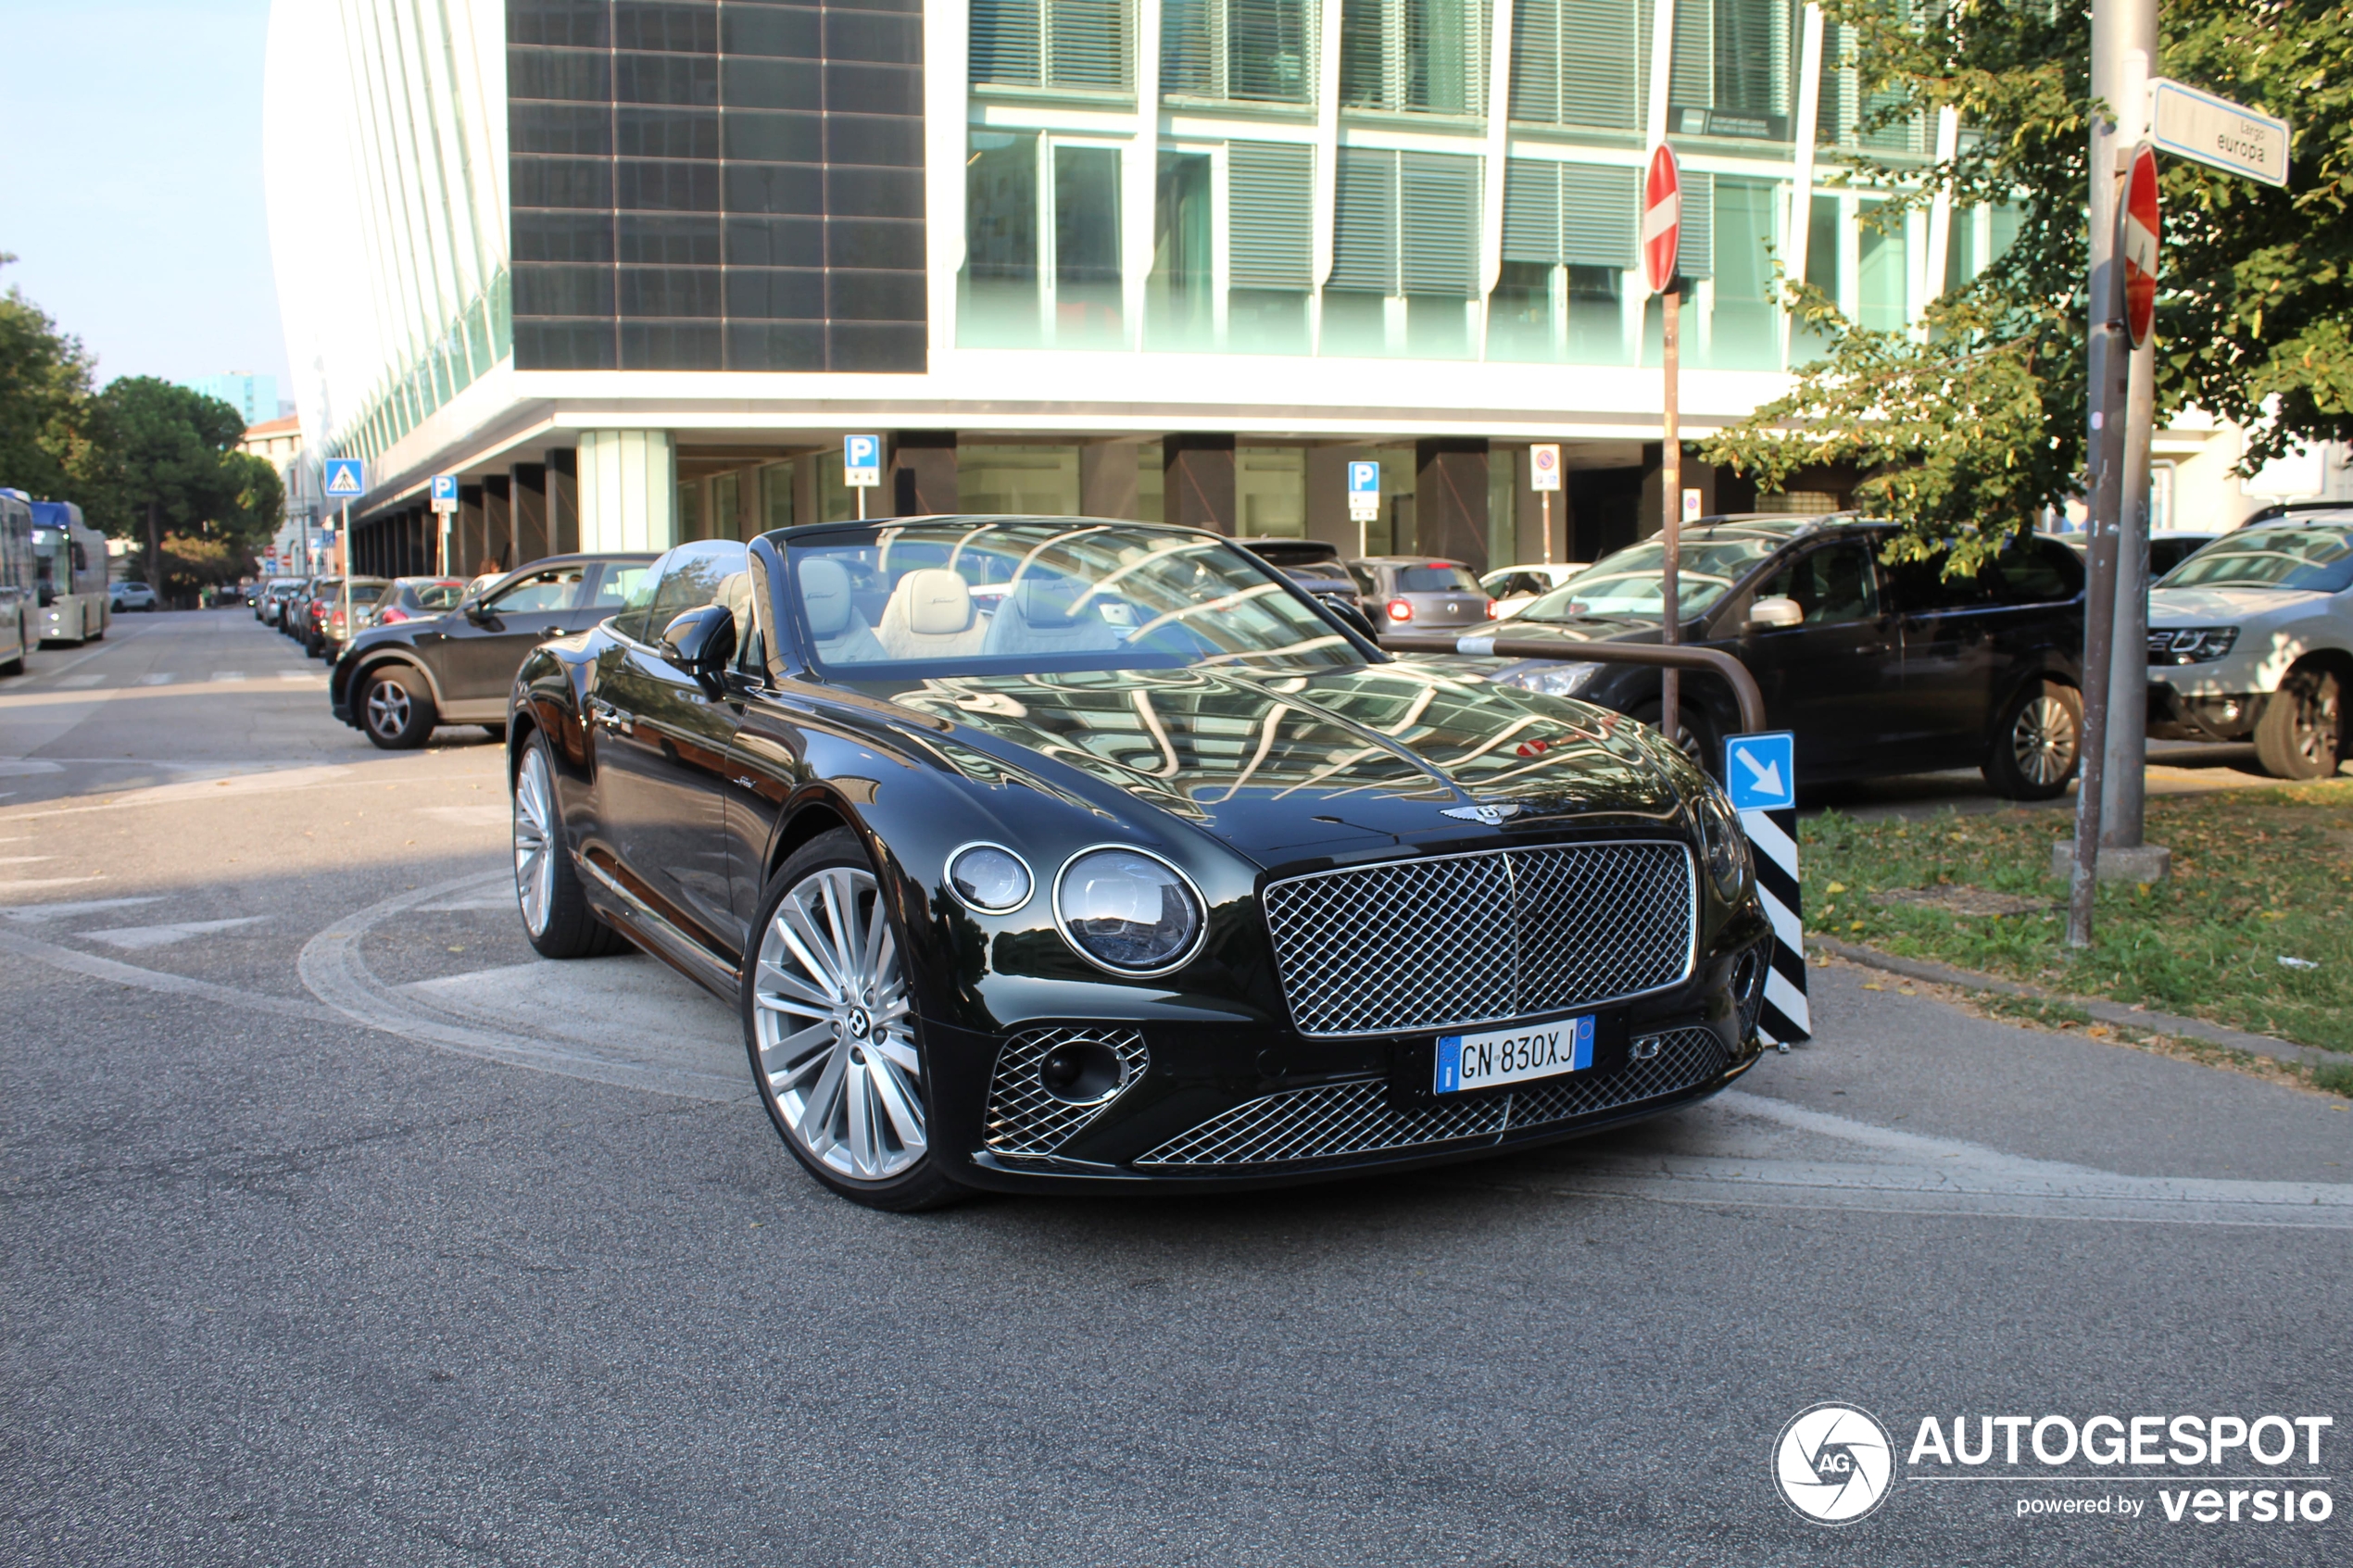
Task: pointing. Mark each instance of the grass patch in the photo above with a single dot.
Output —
(2258, 875)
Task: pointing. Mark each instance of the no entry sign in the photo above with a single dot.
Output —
(1662, 219)
(2143, 230)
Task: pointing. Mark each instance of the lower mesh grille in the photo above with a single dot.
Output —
(1333, 1120)
(1022, 1117)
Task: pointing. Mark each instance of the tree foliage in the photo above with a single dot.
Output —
(161, 460)
(44, 380)
(1971, 429)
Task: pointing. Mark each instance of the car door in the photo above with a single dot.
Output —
(484, 642)
(1832, 678)
(661, 743)
(1948, 627)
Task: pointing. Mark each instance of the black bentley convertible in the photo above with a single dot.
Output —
(1047, 852)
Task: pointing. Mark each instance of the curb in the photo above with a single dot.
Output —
(2105, 1013)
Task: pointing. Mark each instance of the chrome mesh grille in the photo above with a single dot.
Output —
(1331, 1120)
(1022, 1117)
(1462, 939)
(1686, 1058)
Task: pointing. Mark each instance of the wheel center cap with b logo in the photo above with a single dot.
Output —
(859, 1023)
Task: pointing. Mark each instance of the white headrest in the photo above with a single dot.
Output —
(938, 603)
(824, 596)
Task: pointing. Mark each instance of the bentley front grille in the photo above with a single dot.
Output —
(1334, 1121)
(1024, 1116)
(1464, 939)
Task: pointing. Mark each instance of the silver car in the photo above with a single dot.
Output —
(1420, 592)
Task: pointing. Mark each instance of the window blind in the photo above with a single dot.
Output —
(1270, 199)
(1423, 56)
(1364, 222)
(1570, 214)
(1078, 45)
(1408, 223)
(1249, 51)
(1581, 62)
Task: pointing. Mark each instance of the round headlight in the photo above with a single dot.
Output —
(1127, 911)
(1720, 828)
(989, 877)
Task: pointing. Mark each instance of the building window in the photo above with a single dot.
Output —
(1247, 51)
(1087, 270)
(1270, 492)
(1583, 63)
(1881, 273)
(1847, 110)
(1404, 254)
(1426, 56)
(1178, 311)
(1742, 333)
(1568, 238)
(1068, 45)
(1017, 481)
(1269, 198)
(1735, 71)
(1001, 302)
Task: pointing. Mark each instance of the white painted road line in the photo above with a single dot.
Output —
(160, 678)
(228, 675)
(139, 938)
(81, 681)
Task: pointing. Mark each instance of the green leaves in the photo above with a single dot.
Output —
(45, 377)
(1970, 430)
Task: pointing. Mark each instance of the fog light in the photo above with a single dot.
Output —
(1082, 1073)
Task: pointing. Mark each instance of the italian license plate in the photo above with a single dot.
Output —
(1513, 1056)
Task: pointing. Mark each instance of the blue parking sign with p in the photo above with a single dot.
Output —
(445, 487)
(346, 476)
(861, 460)
(1761, 772)
(1363, 479)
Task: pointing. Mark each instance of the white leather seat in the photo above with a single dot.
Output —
(930, 616)
(841, 633)
(1042, 615)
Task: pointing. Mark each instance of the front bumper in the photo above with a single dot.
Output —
(1233, 1108)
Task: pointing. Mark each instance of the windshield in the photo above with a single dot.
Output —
(1437, 577)
(2316, 560)
(1021, 595)
(1631, 582)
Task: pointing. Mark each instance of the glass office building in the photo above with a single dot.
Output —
(633, 268)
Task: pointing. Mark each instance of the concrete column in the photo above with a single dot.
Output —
(628, 490)
(1107, 479)
(563, 501)
(1197, 481)
(923, 473)
(526, 486)
(497, 528)
(1450, 500)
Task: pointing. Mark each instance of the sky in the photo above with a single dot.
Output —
(130, 190)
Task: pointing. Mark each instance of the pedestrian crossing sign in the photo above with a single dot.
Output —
(346, 476)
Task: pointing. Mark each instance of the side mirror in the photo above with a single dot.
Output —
(701, 642)
(1344, 610)
(478, 611)
(1774, 615)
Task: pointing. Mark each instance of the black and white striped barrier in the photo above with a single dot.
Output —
(1760, 774)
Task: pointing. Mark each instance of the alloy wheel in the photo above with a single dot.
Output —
(2043, 740)
(534, 842)
(2316, 723)
(388, 709)
(835, 1046)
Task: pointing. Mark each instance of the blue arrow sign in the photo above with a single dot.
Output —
(346, 476)
(444, 488)
(1761, 772)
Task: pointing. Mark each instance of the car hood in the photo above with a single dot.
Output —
(1281, 766)
(2202, 607)
(1584, 629)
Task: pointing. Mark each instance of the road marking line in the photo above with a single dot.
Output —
(80, 681)
(97, 968)
(228, 675)
(139, 938)
(24, 913)
(160, 678)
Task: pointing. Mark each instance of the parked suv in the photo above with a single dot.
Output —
(401, 678)
(132, 595)
(2251, 638)
(1877, 669)
(1318, 568)
(1419, 594)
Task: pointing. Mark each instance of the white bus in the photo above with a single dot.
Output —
(69, 565)
(17, 598)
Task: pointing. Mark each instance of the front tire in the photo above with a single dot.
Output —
(556, 915)
(2301, 729)
(395, 709)
(1699, 739)
(2038, 744)
(830, 1030)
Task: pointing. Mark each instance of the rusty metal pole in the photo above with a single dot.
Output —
(1670, 487)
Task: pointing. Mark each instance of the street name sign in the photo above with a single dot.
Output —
(2140, 229)
(1544, 467)
(1364, 492)
(861, 461)
(2217, 133)
(346, 476)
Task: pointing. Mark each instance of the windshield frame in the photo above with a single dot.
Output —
(799, 652)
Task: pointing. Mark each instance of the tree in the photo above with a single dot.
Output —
(45, 381)
(1970, 430)
(161, 458)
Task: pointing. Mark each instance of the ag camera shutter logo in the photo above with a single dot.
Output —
(1833, 1463)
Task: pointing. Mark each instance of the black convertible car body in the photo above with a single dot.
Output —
(1052, 852)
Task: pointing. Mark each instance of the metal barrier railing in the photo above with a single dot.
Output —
(1711, 660)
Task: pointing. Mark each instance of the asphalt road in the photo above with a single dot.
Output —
(340, 1230)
